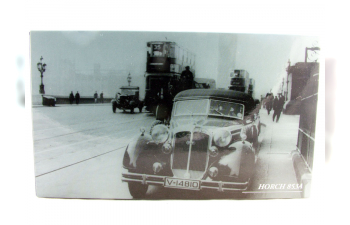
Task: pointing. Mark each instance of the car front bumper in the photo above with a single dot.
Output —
(204, 184)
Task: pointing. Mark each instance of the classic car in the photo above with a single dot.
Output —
(211, 142)
(127, 99)
(49, 100)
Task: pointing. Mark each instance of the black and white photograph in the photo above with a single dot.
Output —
(173, 115)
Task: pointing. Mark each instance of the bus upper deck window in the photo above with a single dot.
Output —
(157, 50)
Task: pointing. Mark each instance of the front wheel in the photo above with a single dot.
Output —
(137, 190)
(132, 110)
(162, 112)
(114, 108)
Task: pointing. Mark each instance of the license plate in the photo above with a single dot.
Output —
(182, 183)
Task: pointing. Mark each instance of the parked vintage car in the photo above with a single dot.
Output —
(49, 100)
(211, 142)
(127, 99)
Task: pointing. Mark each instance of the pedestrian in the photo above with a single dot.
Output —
(275, 106)
(269, 103)
(278, 107)
(77, 97)
(101, 97)
(95, 96)
(187, 78)
(71, 97)
(282, 100)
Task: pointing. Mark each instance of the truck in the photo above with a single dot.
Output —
(165, 63)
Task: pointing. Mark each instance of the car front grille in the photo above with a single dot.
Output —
(196, 162)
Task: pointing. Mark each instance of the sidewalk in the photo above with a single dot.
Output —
(275, 165)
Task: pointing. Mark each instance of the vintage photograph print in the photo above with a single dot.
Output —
(171, 115)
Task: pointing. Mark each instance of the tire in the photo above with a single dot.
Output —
(114, 108)
(153, 109)
(137, 190)
(155, 123)
(161, 112)
(140, 109)
(132, 110)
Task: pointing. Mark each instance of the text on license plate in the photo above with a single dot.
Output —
(181, 183)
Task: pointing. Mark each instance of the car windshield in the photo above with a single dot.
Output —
(191, 107)
(226, 109)
(128, 92)
(216, 108)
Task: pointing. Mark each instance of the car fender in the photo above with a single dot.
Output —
(133, 150)
(237, 160)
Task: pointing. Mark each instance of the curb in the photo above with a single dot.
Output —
(302, 172)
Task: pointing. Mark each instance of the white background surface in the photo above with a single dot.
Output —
(21, 206)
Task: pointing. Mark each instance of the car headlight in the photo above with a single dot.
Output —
(160, 134)
(222, 138)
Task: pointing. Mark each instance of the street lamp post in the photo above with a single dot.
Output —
(41, 68)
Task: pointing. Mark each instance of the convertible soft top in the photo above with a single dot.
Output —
(217, 94)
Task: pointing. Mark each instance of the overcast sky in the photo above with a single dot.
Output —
(264, 56)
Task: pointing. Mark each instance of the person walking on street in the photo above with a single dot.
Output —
(95, 96)
(101, 97)
(77, 97)
(282, 100)
(275, 106)
(269, 103)
(71, 98)
(278, 107)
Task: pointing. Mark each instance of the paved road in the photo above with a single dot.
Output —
(78, 151)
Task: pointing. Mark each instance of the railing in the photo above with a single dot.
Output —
(307, 122)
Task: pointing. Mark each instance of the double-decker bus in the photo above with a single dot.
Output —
(239, 81)
(165, 63)
(251, 87)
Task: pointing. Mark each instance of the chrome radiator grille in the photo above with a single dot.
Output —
(197, 160)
